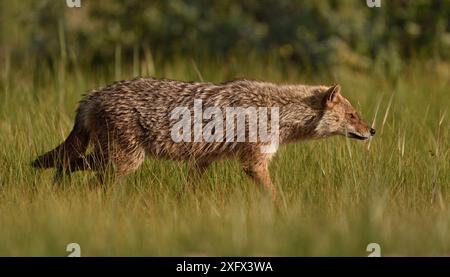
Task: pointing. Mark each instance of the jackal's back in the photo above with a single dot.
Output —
(139, 112)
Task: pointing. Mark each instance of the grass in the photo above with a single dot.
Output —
(338, 195)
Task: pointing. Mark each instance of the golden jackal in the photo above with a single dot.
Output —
(128, 120)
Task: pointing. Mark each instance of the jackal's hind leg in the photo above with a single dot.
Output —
(115, 155)
(93, 161)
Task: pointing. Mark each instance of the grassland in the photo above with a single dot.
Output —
(338, 195)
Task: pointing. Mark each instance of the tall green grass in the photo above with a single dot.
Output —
(338, 195)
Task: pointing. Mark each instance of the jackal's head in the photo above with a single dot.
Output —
(341, 118)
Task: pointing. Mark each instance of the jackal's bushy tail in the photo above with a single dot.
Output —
(73, 147)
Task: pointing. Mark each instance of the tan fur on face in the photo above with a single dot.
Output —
(340, 117)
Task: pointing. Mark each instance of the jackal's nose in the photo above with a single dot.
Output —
(372, 131)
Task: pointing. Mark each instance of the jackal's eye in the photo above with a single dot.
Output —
(352, 116)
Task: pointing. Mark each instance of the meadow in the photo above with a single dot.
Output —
(337, 195)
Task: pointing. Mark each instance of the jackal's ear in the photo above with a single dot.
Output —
(332, 96)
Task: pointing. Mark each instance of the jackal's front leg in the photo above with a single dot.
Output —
(197, 170)
(258, 170)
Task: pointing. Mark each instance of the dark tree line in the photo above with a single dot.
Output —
(312, 33)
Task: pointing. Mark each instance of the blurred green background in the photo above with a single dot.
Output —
(315, 35)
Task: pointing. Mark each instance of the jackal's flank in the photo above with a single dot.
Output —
(128, 120)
